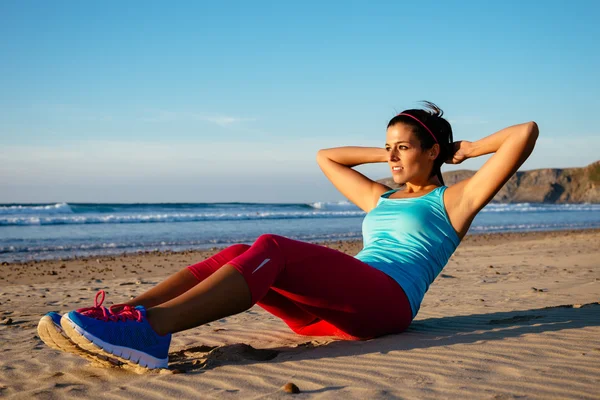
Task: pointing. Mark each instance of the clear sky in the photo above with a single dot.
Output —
(198, 101)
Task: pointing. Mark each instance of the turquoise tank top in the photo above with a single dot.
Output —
(410, 240)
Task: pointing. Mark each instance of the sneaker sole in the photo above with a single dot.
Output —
(53, 338)
(126, 355)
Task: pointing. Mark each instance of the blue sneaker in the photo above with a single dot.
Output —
(125, 335)
(50, 323)
(52, 334)
(55, 318)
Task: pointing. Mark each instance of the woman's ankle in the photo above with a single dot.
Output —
(153, 316)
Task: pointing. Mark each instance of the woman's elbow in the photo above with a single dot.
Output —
(533, 130)
(321, 156)
(324, 153)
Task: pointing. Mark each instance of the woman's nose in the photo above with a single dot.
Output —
(394, 156)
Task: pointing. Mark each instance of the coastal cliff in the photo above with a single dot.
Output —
(549, 185)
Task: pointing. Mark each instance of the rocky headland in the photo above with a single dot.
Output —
(548, 185)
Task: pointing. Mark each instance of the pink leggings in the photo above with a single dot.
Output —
(315, 290)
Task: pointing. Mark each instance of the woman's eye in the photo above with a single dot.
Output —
(387, 149)
(403, 147)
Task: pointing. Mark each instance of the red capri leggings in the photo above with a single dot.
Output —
(317, 291)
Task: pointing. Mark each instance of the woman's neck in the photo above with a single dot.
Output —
(426, 186)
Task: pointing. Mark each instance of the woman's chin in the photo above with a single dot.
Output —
(398, 180)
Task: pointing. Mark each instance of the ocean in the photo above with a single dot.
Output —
(68, 230)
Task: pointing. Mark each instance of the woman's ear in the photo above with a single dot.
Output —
(434, 151)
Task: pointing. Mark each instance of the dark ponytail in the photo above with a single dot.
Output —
(431, 117)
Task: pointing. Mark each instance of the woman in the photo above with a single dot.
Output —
(409, 236)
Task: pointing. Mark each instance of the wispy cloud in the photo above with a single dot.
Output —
(84, 114)
(186, 116)
(224, 120)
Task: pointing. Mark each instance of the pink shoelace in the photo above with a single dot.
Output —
(97, 311)
(116, 312)
(127, 312)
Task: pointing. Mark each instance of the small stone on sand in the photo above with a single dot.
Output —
(290, 388)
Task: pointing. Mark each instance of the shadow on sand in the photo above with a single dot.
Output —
(426, 333)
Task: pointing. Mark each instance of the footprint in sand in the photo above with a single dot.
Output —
(205, 357)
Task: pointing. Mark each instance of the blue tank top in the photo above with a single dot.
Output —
(410, 240)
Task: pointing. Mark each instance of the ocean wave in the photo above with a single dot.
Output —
(79, 219)
(539, 208)
(19, 209)
(532, 227)
(107, 209)
(328, 205)
(25, 252)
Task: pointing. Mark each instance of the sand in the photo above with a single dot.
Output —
(511, 316)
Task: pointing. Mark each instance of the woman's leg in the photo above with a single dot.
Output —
(347, 297)
(182, 281)
(222, 294)
(351, 299)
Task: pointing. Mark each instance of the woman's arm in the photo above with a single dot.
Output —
(336, 163)
(511, 147)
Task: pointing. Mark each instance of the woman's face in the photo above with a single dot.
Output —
(407, 161)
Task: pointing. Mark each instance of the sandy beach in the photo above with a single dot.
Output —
(511, 316)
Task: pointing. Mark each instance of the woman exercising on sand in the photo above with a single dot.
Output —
(409, 235)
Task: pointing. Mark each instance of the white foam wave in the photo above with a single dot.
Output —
(169, 217)
(333, 205)
(539, 208)
(532, 227)
(57, 208)
(26, 252)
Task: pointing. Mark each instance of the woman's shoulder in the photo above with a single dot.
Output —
(460, 216)
(453, 193)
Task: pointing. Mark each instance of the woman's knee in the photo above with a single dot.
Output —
(238, 249)
(268, 239)
(206, 267)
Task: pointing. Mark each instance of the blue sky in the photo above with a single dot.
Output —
(229, 101)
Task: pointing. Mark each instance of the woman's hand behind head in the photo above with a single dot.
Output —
(460, 153)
